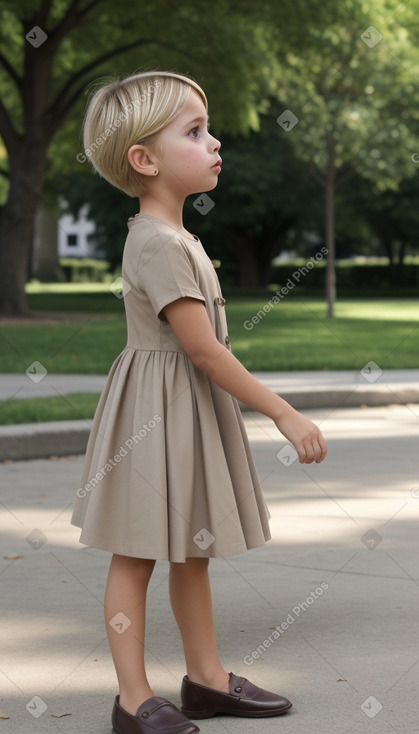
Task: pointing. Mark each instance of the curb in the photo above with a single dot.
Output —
(64, 438)
(42, 440)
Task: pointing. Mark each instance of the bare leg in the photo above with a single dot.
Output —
(125, 594)
(190, 597)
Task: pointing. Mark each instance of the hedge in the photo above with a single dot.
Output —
(349, 277)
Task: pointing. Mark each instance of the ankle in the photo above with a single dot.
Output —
(131, 702)
(218, 681)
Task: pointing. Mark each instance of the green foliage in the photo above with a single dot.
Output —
(354, 102)
(352, 278)
(108, 207)
(76, 406)
(84, 269)
(357, 108)
(392, 215)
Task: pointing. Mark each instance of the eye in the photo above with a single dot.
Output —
(194, 131)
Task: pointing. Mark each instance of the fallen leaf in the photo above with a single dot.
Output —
(4, 716)
(13, 556)
(59, 716)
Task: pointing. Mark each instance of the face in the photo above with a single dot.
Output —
(188, 151)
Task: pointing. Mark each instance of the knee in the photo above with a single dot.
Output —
(139, 568)
(190, 563)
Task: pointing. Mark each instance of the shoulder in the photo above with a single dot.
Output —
(148, 234)
(153, 245)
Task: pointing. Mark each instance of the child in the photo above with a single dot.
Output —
(168, 472)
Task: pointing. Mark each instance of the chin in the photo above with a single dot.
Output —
(209, 187)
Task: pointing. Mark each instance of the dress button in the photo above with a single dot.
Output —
(238, 689)
(227, 340)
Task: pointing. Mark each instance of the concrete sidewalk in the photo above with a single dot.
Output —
(303, 390)
(313, 389)
(338, 583)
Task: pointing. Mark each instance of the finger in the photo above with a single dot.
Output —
(321, 449)
(310, 452)
(316, 448)
(302, 454)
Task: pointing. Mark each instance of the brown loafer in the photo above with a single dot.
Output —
(244, 699)
(156, 714)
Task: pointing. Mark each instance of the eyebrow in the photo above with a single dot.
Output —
(197, 119)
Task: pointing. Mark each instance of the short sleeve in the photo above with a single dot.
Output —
(166, 272)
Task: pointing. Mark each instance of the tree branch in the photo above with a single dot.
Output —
(42, 14)
(11, 71)
(7, 130)
(60, 107)
(347, 173)
(72, 18)
(316, 173)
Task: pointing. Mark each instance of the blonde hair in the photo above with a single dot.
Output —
(130, 111)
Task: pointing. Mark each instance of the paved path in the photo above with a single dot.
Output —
(50, 385)
(339, 580)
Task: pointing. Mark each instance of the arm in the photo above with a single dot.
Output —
(189, 321)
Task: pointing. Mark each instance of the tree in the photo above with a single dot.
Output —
(49, 61)
(348, 108)
(393, 216)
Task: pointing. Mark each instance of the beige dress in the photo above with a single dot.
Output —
(168, 471)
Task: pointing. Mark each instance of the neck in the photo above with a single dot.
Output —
(167, 208)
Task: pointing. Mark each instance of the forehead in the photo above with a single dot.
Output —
(192, 109)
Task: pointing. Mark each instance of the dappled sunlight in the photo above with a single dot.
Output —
(17, 523)
(328, 520)
(388, 310)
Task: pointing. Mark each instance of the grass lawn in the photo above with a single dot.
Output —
(297, 335)
(61, 408)
(294, 335)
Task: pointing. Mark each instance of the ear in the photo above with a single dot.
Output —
(139, 159)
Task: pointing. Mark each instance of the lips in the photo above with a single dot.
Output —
(218, 163)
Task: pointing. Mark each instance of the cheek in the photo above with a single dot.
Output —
(194, 156)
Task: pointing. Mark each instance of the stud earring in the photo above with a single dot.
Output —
(155, 171)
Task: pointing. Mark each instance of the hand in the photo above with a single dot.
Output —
(304, 435)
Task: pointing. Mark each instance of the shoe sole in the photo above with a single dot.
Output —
(115, 732)
(210, 713)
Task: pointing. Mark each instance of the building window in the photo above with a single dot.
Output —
(72, 240)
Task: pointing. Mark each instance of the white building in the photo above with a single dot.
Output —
(73, 236)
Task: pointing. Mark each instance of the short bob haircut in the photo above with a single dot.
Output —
(130, 111)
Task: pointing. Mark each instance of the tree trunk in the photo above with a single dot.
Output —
(17, 218)
(330, 239)
(388, 246)
(248, 268)
(402, 251)
(255, 255)
(45, 247)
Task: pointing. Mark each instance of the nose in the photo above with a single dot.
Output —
(217, 145)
